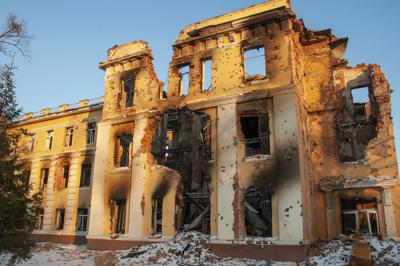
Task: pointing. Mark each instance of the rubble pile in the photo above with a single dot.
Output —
(338, 252)
(189, 248)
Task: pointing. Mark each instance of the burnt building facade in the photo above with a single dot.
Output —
(262, 132)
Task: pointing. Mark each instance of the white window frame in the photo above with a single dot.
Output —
(69, 136)
(49, 139)
(91, 133)
(58, 219)
(80, 220)
(33, 138)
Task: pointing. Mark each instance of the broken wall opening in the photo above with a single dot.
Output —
(118, 215)
(182, 142)
(258, 212)
(361, 103)
(360, 215)
(356, 124)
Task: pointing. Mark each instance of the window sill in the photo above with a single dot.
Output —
(120, 169)
(84, 188)
(258, 157)
(254, 81)
(353, 163)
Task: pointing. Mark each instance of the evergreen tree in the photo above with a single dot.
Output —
(19, 207)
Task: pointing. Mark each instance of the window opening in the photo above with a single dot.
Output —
(207, 74)
(25, 178)
(360, 216)
(60, 219)
(40, 220)
(82, 220)
(66, 175)
(69, 135)
(91, 133)
(44, 178)
(33, 137)
(129, 90)
(258, 212)
(254, 63)
(123, 150)
(121, 208)
(255, 129)
(49, 139)
(361, 106)
(184, 79)
(157, 215)
(85, 175)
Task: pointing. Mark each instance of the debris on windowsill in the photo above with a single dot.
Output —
(258, 157)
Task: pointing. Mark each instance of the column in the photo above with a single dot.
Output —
(72, 194)
(139, 172)
(48, 220)
(330, 215)
(34, 177)
(226, 168)
(97, 221)
(289, 187)
(390, 222)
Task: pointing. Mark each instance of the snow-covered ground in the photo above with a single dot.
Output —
(192, 249)
(186, 249)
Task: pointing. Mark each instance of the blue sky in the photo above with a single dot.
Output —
(72, 37)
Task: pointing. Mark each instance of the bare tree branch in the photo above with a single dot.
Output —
(14, 37)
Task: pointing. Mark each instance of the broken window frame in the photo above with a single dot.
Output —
(82, 219)
(86, 173)
(263, 138)
(253, 76)
(44, 177)
(366, 212)
(255, 215)
(91, 133)
(49, 139)
(60, 217)
(129, 94)
(123, 152)
(204, 73)
(184, 90)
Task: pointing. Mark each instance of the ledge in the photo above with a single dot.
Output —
(257, 158)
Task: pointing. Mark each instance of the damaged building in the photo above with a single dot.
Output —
(264, 138)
